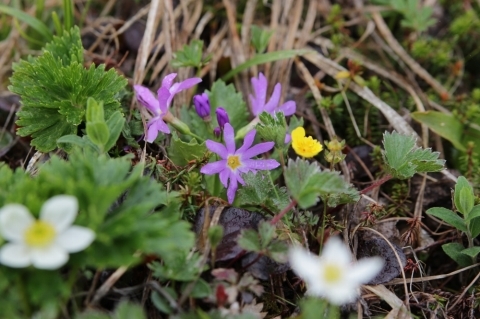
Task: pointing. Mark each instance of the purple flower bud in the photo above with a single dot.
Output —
(202, 105)
(222, 117)
(217, 131)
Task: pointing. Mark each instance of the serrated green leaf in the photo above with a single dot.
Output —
(225, 96)
(272, 128)
(260, 38)
(189, 56)
(472, 252)
(453, 250)
(180, 152)
(463, 198)
(259, 191)
(266, 232)
(249, 240)
(161, 302)
(201, 289)
(54, 89)
(404, 159)
(449, 217)
(305, 182)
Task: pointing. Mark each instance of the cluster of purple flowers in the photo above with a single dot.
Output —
(234, 162)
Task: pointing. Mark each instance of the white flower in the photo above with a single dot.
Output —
(332, 275)
(44, 243)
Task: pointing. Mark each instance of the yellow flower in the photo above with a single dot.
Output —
(305, 146)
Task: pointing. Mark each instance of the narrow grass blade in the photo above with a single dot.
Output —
(36, 24)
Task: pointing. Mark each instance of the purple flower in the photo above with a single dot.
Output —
(202, 105)
(159, 107)
(235, 162)
(258, 101)
(222, 117)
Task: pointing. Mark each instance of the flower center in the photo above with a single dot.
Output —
(332, 273)
(233, 161)
(40, 234)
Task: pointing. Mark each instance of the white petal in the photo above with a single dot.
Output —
(342, 293)
(336, 252)
(75, 238)
(15, 255)
(304, 264)
(60, 211)
(14, 220)
(51, 257)
(365, 270)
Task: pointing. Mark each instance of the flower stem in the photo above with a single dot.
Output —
(322, 230)
(376, 184)
(283, 212)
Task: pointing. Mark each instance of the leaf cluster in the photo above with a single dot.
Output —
(467, 222)
(54, 88)
(190, 56)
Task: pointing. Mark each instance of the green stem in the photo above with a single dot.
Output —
(23, 296)
(322, 230)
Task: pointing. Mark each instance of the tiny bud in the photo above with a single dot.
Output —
(217, 131)
(202, 106)
(222, 117)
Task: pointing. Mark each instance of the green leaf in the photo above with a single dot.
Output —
(464, 198)
(98, 133)
(266, 232)
(264, 58)
(449, 217)
(180, 152)
(115, 124)
(474, 213)
(215, 235)
(404, 159)
(249, 240)
(472, 252)
(160, 302)
(201, 289)
(36, 24)
(127, 310)
(447, 126)
(189, 56)
(225, 96)
(454, 251)
(305, 182)
(260, 38)
(259, 191)
(54, 89)
(272, 128)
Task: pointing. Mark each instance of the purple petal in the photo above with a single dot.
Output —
(257, 149)
(188, 83)
(217, 148)
(232, 189)
(239, 178)
(162, 126)
(168, 80)
(288, 108)
(260, 89)
(146, 98)
(274, 99)
(214, 167)
(224, 175)
(288, 138)
(255, 106)
(267, 164)
(229, 137)
(152, 131)
(247, 142)
(164, 99)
